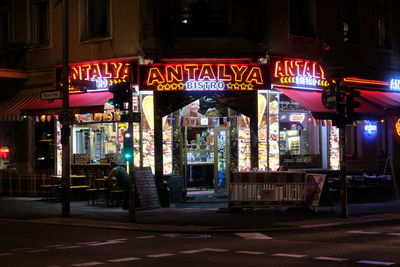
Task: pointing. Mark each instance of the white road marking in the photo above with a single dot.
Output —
(38, 250)
(289, 255)
(253, 236)
(318, 225)
(191, 251)
(395, 234)
(105, 243)
(214, 249)
(69, 247)
(119, 239)
(250, 252)
(124, 259)
(55, 246)
(91, 263)
(376, 262)
(20, 249)
(160, 255)
(5, 254)
(363, 232)
(87, 243)
(145, 237)
(330, 259)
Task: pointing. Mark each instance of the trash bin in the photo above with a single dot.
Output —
(175, 185)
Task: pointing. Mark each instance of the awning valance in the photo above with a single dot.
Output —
(78, 103)
(10, 110)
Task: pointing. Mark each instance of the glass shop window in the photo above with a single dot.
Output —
(196, 18)
(299, 136)
(44, 145)
(40, 22)
(351, 22)
(384, 40)
(96, 17)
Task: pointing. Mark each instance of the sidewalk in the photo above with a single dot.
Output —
(193, 217)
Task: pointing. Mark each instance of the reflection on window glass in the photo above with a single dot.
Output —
(302, 17)
(98, 11)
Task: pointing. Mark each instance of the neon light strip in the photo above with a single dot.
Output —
(364, 81)
(297, 87)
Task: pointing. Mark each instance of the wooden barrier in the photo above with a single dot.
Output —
(16, 184)
(266, 189)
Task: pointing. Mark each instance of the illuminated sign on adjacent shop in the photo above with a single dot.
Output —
(298, 72)
(394, 84)
(104, 74)
(397, 127)
(370, 128)
(203, 77)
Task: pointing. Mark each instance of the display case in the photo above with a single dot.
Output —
(200, 156)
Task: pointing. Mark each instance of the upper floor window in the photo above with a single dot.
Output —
(302, 16)
(196, 18)
(40, 22)
(95, 19)
(383, 25)
(351, 22)
(5, 22)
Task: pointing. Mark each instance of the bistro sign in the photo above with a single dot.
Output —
(203, 77)
(298, 72)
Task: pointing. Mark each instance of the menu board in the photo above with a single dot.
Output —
(146, 188)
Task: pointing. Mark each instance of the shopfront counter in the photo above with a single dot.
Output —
(264, 189)
(200, 175)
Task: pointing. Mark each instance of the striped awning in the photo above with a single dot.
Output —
(10, 110)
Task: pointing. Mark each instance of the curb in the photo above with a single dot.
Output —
(334, 222)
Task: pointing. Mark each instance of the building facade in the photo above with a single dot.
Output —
(300, 46)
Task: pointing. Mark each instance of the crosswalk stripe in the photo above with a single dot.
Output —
(91, 263)
(124, 259)
(38, 250)
(376, 262)
(160, 255)
(191, 251)
(253, 236)
(214, 249)
(289, 255)
(363, 232)
(250, 252)
(330, 259)
(395, 234)
(69, 247)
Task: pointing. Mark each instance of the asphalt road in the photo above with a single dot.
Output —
(28, 244)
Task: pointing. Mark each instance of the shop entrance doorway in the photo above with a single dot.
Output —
(206, 159)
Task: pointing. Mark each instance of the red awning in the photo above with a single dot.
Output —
(385, 99)
(312, 101)
(10, 110)
(79, 103)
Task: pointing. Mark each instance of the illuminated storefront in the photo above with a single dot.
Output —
(205, 110)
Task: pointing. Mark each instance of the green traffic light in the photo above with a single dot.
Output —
(127, 156)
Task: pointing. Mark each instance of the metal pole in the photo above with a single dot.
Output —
(65, 131)
(132, 210)
(343, 180)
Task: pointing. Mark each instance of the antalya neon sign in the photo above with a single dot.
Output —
(203, 77)
(299, 72)
(104, 74)
(395, 84)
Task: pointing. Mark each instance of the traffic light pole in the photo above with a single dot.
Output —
(132, 208)
(342, 176)
(65, 120)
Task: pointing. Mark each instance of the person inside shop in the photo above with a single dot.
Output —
(119, 175)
